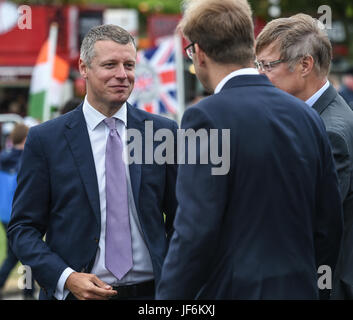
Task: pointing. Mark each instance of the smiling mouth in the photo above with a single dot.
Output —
(119, 88)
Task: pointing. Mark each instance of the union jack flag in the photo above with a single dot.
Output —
(155, 88)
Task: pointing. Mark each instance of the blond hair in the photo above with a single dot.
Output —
(222, 28)
(297, 37)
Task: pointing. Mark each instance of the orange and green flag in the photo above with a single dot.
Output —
(48, 78)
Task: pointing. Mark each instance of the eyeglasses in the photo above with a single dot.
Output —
(189, 50)
(267, 67)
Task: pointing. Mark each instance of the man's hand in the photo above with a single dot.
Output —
(86, 286)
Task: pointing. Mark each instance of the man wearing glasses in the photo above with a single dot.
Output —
(295, 54)
(257, 231)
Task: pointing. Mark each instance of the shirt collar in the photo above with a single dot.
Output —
(94, 117)
(310, 102)
(240, 72)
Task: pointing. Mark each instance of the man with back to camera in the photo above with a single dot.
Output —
(103, 219)
(295, 54)
(261, 230)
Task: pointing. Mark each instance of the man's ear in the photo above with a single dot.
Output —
(82, 66)
(200, 55)
(307, 65)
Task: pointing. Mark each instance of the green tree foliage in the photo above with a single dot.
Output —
(164, 6)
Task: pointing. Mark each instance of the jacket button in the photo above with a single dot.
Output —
(96, 240)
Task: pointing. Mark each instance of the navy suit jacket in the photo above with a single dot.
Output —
(57, 196)
(338, 119)
(260, 231)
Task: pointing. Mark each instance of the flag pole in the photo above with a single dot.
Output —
(53, 36)
(179, 75)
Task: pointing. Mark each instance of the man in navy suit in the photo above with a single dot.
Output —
(262, 230)
(63, 191)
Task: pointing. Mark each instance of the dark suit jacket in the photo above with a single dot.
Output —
(57, 196)
(338, 119)
(261, 231)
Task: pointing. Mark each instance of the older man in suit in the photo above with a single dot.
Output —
(260, 230)
(295, 54)
(102, 217)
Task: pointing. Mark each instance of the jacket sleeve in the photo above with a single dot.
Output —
(328, 227)
(170, 202)
(343, 161)
(30, 216)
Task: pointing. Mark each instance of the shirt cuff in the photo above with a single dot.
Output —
(61, 293)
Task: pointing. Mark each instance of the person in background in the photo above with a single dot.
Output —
(258, 230)
(295, 54)
(70, 105)
(346, 90)
(10, 161)
(10, 158)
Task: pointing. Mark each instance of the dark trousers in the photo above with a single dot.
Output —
(7, 266)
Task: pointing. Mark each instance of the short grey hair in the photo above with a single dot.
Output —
(103, 32)
(297, 37)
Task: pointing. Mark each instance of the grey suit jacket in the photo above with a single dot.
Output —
(338, 119)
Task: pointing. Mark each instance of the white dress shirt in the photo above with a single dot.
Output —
(240, 72)
(142, 269)
(310, 102)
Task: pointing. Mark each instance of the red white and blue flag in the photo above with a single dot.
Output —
(155, 88)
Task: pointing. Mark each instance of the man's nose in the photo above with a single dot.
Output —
(120, 72)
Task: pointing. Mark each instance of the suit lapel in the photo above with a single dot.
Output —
(78, 139)
(326, 98)
(136, 121)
